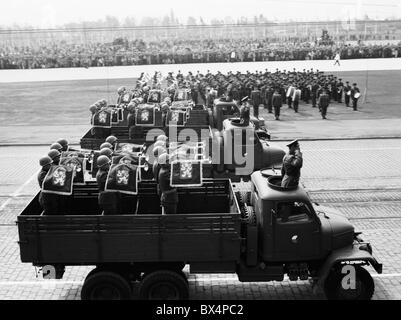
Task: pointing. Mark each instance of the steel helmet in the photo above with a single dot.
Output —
(93, 109)
(103, 101)
(53, 154)
(45, 161)
(160, 143)
(159, 150)
(106, 152)
(63, 142)
(163, 159)
(111, 139)
(121, 90)
(56, 146)
(106, 145)
(145, 88)
(162, 137)
(102, 161)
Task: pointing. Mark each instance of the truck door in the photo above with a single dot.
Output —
(296, 232)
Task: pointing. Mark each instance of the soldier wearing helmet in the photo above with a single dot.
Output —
(55, 156)
(64, 144)
(45, 162)
(106, 152)
(169, 195)
(56, 146)
(49, 202)
(108, 201)
(157, 152)
(112, 140)
(106, 145)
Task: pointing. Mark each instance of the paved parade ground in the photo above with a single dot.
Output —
(360, 175)
(361, 178)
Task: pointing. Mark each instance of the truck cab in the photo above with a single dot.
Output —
(294, 236)
(223, 110)
(245, 147)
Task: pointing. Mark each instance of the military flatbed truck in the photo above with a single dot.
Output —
(263, 236)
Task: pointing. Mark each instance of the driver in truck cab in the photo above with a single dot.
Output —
(292, 164)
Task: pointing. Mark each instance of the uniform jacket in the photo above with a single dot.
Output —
(291, 169)
(277, 100)
(324, 101)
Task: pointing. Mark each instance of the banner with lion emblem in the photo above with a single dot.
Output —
(59, 180)
(123, 178)
(186, 173)
(145, 116)
(102, 119)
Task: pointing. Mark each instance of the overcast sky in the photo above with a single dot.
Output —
(50, 13)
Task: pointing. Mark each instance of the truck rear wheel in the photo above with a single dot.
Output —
(105, 285)
(364, 285)
(164, 285)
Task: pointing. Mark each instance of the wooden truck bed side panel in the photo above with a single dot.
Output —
(96, 239)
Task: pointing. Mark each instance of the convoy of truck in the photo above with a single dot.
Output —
(267, 234)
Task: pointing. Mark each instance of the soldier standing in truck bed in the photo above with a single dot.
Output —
(292, 164)
(169, 195)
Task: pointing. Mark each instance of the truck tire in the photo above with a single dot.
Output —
(364, 283)
(105, 285)
(164, 285)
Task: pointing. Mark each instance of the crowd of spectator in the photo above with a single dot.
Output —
(138, 52)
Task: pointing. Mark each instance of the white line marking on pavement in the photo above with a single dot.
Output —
(17, 192)
(352, 149)
(193, 279)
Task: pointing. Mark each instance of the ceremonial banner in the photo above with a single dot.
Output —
(145, 116)
(186, 173)
(155, 96)
(102, 119)
(129, 147)
(123, 178)
(77, 164)
(182, 95)
(114, 116)
(59, 180)
(177, 118)
(127, 98)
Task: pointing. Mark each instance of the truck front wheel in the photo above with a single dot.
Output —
(164, 285)
(105, 285)
(340, 286)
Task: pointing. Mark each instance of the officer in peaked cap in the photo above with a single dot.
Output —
(292, 164)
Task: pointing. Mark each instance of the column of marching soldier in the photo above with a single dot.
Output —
(270, 90)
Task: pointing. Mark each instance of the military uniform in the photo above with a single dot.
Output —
(108, 201)
(48, 201)
(347, 96)
(291, 169)
(169, 195)
(277, 104)
(324, 102)
(354, 91)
